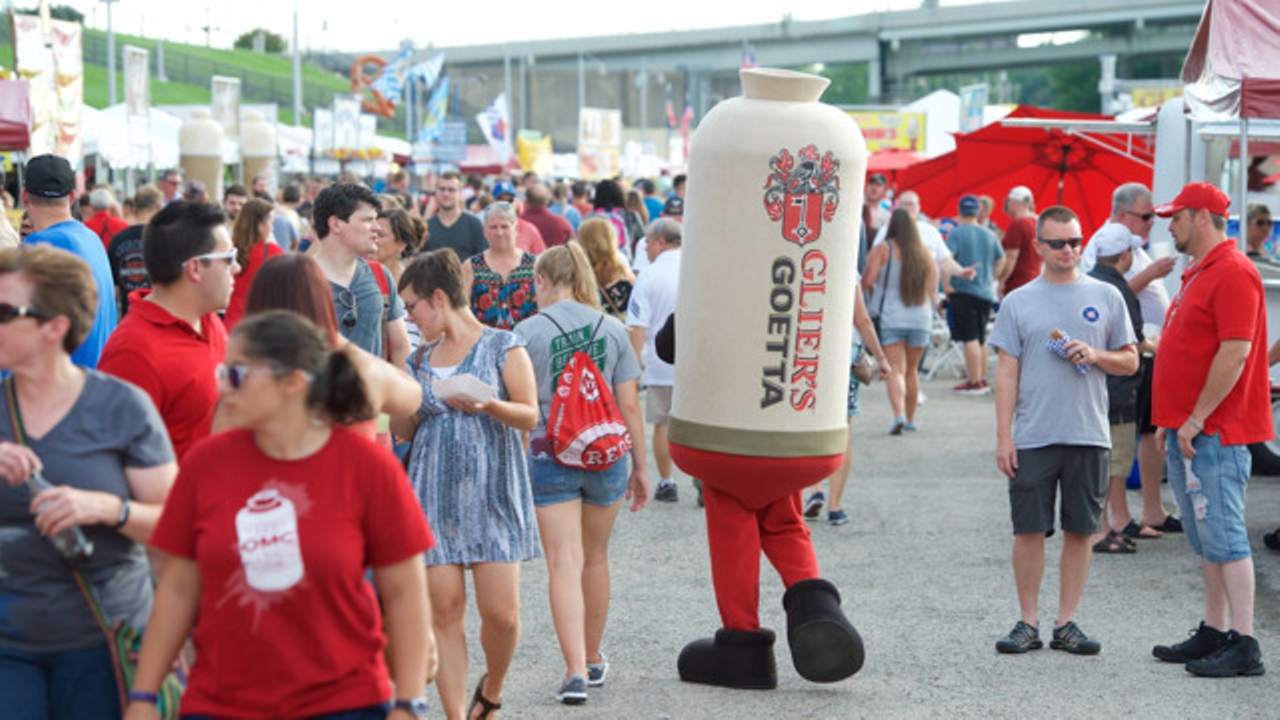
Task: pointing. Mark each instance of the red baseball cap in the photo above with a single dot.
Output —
(1196, 196)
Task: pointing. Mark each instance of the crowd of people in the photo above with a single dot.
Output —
(255, 388)
(1098, 370)
(294, 343)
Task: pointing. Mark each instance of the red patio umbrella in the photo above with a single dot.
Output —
(891, 161)
(1060, 167)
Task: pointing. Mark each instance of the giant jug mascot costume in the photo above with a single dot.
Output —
(763, 330)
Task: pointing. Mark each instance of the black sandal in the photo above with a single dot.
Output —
(488, 707)
(1114, 544)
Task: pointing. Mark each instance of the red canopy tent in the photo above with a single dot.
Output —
(1060, 166)
(892, 162)
(1231, 71)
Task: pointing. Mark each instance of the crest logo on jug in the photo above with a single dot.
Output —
(802, 195)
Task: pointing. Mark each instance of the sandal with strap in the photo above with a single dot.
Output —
(1114, 544)
(487, 706)
(1138, 531)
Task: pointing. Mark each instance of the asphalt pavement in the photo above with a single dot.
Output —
(924, 570)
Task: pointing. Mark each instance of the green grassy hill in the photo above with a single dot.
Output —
(264, 78)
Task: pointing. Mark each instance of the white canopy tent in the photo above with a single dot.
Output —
(153, 141)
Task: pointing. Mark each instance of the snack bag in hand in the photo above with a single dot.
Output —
(1058, 345)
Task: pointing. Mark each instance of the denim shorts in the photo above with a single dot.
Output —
(554, 483)
(914, 338)
(1212, 496)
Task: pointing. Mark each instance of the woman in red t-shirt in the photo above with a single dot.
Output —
(268, 532)
(251, 236)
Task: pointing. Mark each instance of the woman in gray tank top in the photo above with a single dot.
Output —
(902, 278)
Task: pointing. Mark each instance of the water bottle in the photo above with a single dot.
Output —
(71, 544)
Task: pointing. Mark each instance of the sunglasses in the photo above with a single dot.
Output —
(1144, 217)
(9, 313)
(1058, 244)
(236, 375)
(1263, 222)
(347, 300)
(228, 255)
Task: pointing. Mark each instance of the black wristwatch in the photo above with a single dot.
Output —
(124, 514)
(416, 706)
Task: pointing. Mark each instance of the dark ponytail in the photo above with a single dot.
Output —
(338, 391)
(291, 342)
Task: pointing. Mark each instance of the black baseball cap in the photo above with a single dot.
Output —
(50, 176)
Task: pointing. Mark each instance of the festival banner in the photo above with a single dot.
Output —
(599, 143)
(34, 62)
(346, 123)
(322, 131)
(973, 103)
(437, 111)
(887, 129)
(48, 55)
(427, 71)
(390, 82)
(68, 67)
(226, 103)
(137, 97)
(495, 125)
(535, 152)
(1154, 96)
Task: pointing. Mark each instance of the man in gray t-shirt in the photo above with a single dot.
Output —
(1058, 337)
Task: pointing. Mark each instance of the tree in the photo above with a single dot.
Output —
(274, 43)
(58, 12)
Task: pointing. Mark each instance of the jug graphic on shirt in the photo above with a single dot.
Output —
(267, 535)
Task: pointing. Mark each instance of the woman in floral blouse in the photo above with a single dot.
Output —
(501, 278)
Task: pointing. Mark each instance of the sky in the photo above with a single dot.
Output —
(332, 25)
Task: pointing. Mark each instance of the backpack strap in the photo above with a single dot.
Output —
(381, 275)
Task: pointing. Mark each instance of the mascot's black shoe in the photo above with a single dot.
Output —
(824, 645)
(740, 659)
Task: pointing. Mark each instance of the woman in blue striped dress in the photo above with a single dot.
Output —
(468, 467)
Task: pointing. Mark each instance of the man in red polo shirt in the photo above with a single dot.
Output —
(555, 229)
(1211, 395)
(172, 340)
(103, 222)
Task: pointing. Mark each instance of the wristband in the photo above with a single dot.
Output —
(1195, 423)
(124, 514)
(146, 697)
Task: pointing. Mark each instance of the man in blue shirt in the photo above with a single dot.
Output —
(970, 299)
(48, 195)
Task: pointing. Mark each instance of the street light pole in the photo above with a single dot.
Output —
(111, 56)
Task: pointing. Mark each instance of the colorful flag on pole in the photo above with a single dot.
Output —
(748, 55)
(390, 82)
(671, 113)
(427, 71)
(495, 124)
(686, 122)
(437, 109)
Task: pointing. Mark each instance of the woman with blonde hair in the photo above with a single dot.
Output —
(599, 240)
(577, 507)
(251, 236)
(902, 278)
